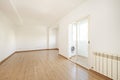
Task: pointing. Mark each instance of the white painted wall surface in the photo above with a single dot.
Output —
(7, 37)
(53, 38)
(104, 30)
(31, 38)
(63, 40)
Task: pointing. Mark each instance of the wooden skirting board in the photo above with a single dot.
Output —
(36, 50)
(106, 78)
(63, 56)
(7, 58)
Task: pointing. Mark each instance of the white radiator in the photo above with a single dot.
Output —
(107, 64)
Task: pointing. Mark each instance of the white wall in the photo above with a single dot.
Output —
(7, 37)
(31, 38)
(104, 30)
(57, 37)
(53, 35)
(63, 40)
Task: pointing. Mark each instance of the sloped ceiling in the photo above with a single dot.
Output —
(34, 12)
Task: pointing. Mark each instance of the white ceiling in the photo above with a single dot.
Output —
(34, 12)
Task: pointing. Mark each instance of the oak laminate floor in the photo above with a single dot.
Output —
(43, 65)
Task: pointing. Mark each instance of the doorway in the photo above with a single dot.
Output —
(53, 38)
(79, 42)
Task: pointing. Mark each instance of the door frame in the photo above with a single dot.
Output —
(89, 52)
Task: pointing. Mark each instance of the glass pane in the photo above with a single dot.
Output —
(72, 39)
(82, 35)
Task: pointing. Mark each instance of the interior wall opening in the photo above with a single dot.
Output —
(79, 42)
(52, 41)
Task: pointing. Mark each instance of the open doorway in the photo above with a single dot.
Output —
(53, 38)
(79, 42)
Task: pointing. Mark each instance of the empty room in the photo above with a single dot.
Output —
(59, 39)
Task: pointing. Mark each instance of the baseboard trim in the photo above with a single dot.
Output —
(74, 62)
(105, 77)
(6, 58)
(53, 49)
(36, 50)
(81, 66)
(63, 56)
